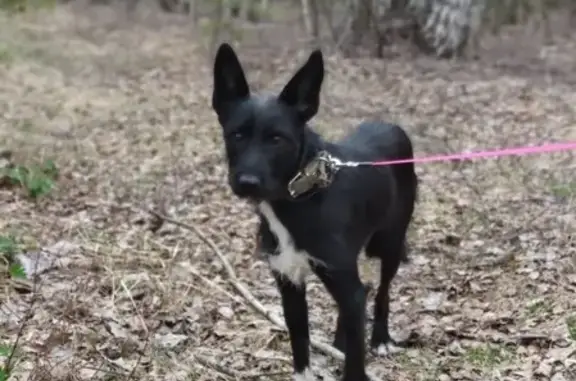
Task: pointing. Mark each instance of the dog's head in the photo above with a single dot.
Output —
(264, 136)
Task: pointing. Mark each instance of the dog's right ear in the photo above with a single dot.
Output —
(230, 84)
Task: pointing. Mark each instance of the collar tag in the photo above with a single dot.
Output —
(319, 172)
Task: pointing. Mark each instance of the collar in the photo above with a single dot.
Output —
(317, 173)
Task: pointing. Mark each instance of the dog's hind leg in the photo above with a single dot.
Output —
(390, 247)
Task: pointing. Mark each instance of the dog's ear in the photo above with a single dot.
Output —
(302, 92)
(230, 84)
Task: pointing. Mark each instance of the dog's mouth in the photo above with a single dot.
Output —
(260, 194)
(245, 195)
(248, 193)
(256, 198)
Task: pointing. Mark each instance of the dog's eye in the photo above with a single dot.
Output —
(276, 139)
(238, 135)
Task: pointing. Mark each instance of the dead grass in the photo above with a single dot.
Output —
(122, 107)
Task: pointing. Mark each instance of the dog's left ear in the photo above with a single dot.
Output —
(302, 93)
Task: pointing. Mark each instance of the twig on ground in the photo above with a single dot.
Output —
(28, 315)
(143, 322)
(229, 373)
(522, 339)
(129, 293)
(251, 299)
(100, 369)
(213, 365)
(213, 285)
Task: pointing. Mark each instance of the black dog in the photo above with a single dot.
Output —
(322, 230)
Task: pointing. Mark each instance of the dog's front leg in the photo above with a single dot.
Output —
(349, 293)
(296, 316)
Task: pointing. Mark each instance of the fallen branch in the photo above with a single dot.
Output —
(214, 285)
(251, 299)
(132, 373)
(213, 365)
(522, 339)
(8, 363)
(208, 363)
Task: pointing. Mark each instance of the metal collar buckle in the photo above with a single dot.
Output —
(319, 172)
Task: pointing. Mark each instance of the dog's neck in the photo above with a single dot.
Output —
(311, 145)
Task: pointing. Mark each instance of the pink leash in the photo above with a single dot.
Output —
(515, 151)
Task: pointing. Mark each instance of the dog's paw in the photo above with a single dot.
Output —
(387, 349)
(365, 378)
(394, 346)
(307, 375)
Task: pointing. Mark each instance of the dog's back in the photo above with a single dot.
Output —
(374, 141)
(378, 141)
(388, 192)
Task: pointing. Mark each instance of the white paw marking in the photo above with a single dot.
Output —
(307, 375)
(292, 263)
(388, 349)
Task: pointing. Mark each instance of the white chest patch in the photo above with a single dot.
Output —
(291, 263)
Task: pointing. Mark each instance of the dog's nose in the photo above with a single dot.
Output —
(249, 184)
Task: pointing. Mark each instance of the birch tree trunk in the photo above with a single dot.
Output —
(443, 27)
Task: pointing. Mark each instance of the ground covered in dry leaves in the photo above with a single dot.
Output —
(122, 108)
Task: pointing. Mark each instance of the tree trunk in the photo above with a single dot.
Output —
(447, 25)
(362, 13)
(221, 24)
(311, 19)
(264, 5)
(245, 8)
(193, 12)
(226, 11)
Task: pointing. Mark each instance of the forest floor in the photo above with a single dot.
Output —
(121, 106)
